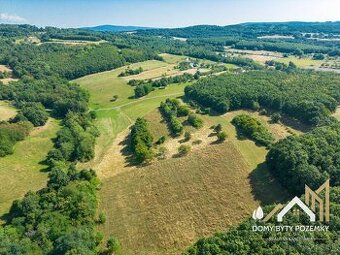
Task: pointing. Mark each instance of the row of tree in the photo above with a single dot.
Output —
(171, 109)
(144, 87)
(141, 141)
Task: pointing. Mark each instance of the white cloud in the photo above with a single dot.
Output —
(12, 18)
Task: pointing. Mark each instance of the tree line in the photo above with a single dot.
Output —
(307, 96)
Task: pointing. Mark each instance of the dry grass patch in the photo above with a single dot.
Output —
(4, 68)
(166, 206)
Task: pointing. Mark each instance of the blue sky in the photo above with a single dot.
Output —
(164, 13)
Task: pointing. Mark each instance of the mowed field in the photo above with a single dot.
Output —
(22, 171)
(163, 207)
(307, 61)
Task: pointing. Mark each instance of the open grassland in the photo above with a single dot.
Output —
(103, 86)
(260, 56)
(6, 111)
(21, 171)
(172, 59)
(164, 207)
(303, 62)
(170, 203)
(74, 42)
(115, 117)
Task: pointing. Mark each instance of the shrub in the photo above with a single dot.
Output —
(101, 218)
(197, 142)
(182, 111)
(114, 98)
(221, 136)
(143, 89)
(161, 140)
(218, 128)
(169, 110)
(184, 150)
(275, 117)
(195, 121)
(187, 136)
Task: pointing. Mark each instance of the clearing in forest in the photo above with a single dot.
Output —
(6, 111)
(22, 171)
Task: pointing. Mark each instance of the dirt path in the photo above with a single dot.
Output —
(138, 101)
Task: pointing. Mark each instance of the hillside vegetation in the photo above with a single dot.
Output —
(309, 97)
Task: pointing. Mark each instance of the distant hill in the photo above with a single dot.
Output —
(249, 29)
(113, 28)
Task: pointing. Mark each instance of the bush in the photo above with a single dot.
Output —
(318, 56)
(197, 142)
(221, 136)
(101, 218)
(161, 140)
(143, 89)
(184, 150)
(187, 136)
(275, 117)
(195, 121)
(182, 111)
(218, 128)
(114, 98)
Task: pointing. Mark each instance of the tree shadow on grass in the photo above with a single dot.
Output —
(126, 151)
(265, 188)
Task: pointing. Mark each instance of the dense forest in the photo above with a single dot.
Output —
(307, 159)
(309, 97)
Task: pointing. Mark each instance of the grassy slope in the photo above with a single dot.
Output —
(6, 111)
(21, 171)
(169, 204)
(115, 117)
